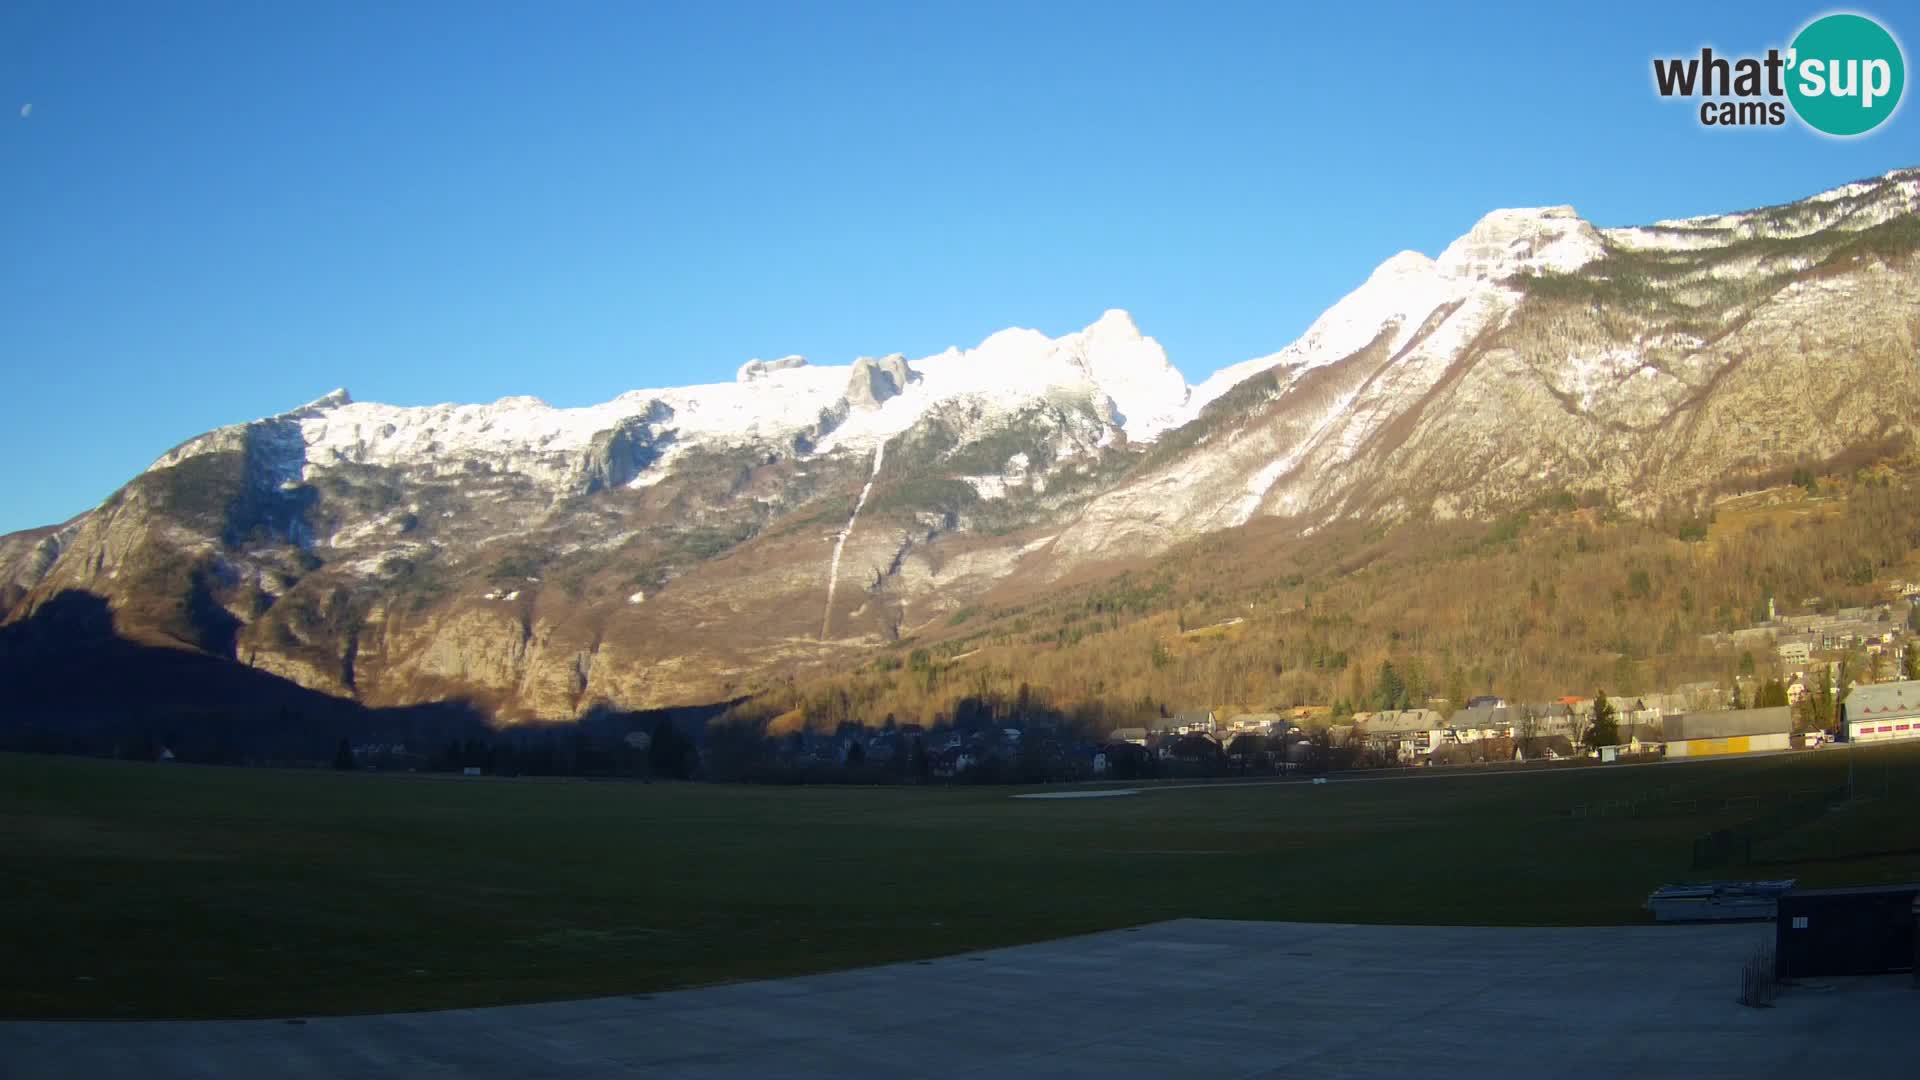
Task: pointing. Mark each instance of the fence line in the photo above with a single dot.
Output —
(1664, 802)
(1681, 798)
(1735, 842)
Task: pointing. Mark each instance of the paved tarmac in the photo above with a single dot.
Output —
(1184, 998)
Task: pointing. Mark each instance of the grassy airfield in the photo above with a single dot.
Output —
(136, 890)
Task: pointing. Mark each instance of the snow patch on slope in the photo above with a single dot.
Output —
(1401, 292)
(1406, 290)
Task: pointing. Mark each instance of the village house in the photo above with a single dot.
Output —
(1198, 721)
(1702, 696)
(1388, 733)
(1413, 719)
(1251, 751)
(950, 761)
(1562, 719)
(1882, 712)
(1124, 759)
(1432, 743)
(1544, 748)
(1499, 717)
(1664, 704)
(1194, 748)
(1265, 723)
(1639, 724)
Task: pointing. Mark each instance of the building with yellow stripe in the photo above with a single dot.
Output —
(1733, 731)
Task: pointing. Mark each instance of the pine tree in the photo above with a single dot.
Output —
(1392, 691)
(1606, 728)
(343, 756)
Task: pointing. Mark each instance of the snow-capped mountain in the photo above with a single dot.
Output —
(688, 543)
(1538, 353)
(1109, 369)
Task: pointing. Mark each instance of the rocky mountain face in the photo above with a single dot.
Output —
(689, 544)
(1537, 354)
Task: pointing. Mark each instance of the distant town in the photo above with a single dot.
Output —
(1803, 681)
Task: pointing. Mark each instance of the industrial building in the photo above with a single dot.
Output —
(1734, 731)
(1882, 712)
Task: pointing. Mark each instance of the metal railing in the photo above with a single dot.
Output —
(1759, 980)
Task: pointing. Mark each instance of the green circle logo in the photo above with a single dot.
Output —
(1847, 74)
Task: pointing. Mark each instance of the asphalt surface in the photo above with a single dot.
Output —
(1183, 998)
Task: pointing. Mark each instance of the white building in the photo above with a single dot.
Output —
(1265, 723)
(1882, 712)
(1732, 731)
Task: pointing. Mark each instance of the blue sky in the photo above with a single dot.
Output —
(214, 212)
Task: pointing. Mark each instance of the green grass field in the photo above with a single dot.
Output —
(134, 890)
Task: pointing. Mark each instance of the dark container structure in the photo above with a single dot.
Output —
(1862, 931)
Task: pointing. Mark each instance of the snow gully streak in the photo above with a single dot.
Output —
(840, 545)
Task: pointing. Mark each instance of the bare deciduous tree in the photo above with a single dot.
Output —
(1526, 729)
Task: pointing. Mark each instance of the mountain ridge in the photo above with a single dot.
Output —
(690, 543)
(1503, 243)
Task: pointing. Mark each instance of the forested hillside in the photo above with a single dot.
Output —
(1561, 599)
